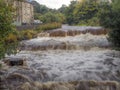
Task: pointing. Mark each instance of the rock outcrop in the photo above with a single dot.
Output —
(15, 61)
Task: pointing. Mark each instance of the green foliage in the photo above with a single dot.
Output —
(11, 38)
(63, 9)
(26, 34)
(114, 37)
(110, 18)
(84, 13)
(52, 17)
(48, 26)
(38, 8)
(70, 18)
(6, 18)
(47, 15)
(29, 34)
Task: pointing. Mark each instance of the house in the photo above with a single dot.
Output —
(24, 13)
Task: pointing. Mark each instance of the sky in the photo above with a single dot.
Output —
(54, 4)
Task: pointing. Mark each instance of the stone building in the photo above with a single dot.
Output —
(24, 13)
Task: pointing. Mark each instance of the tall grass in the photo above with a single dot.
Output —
(48, 26)
(29, 34)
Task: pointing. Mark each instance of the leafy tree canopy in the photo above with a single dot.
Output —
(6, 18)
(110, 18)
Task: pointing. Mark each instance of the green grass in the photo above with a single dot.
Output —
(29, 34)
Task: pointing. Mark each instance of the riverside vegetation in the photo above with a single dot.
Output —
(67, 55)
(95, 13)
(9, 37)
(88, 12)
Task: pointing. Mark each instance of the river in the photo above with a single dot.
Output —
(80, 57)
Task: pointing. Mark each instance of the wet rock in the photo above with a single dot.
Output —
(67, 32)
(74, 30)
(15, 61)
(94, 85)
(18, 77)
(43, 34)
(82, 85)
(71, 33)
(84, 42)
(3, 85)
(47, 86)
(69, 85)
(3, 66)
(58, 33)
(27, 86)
(38, 85)
(45, 45)
(97, 31)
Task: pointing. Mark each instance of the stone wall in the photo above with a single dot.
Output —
(24, 13)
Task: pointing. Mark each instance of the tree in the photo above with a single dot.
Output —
(70, 19)
(6, 19)
(47, 15)
(61, 17)
(87, 11)
(38, 8)
(52, 17)
(110, 18)
(62, 9)
(84, 12)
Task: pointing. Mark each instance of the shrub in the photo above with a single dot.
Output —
(27, 34)
(50, 17)
(11, 38)
(48, 26)
(110, 18)
(6, 28)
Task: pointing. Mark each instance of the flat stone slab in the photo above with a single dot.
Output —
(15, 61)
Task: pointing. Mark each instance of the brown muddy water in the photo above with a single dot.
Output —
(64, 61)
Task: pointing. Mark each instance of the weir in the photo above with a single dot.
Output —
(70, 58)
(83, 41)
(74, 30)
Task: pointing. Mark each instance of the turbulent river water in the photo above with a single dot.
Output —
(70, 58)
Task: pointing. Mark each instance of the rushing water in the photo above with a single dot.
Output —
(66, 43)
(70, 65)
(70, 58)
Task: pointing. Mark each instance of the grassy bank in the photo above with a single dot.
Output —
(48, 26)
(29, 34)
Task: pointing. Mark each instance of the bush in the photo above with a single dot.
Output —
(11, 38)
(90, 22)
(48, 26)
(6, 28)
(114, 37)
(52, 17)
(27, 34)
(110, 18)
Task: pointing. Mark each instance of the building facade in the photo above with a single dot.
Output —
(24, 13)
